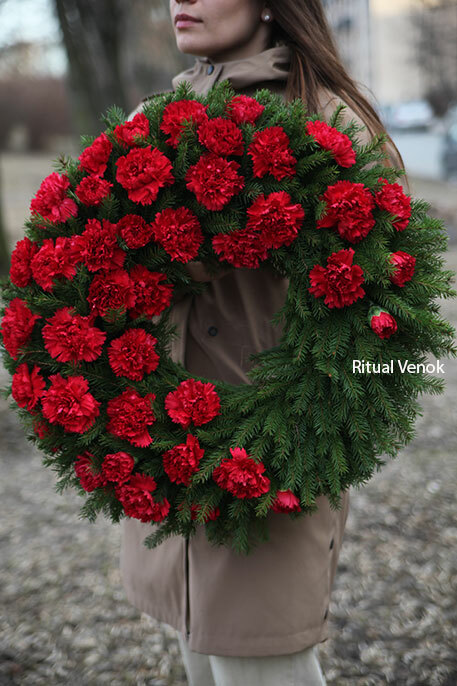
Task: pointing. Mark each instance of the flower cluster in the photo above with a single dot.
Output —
(241, 475)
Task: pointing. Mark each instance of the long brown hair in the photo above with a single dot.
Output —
(316, 63)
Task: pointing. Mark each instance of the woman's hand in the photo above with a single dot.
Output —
(198, 272)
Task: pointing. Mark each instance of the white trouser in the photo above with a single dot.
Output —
(294, 669)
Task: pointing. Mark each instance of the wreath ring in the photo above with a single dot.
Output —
(231, 181)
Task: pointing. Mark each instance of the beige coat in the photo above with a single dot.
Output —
(276, 600)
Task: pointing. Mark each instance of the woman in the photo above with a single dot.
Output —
(255, 620)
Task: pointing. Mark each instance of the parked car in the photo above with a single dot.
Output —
(449, 147)
(416, 115)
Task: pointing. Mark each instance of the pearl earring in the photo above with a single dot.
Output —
(267, 17)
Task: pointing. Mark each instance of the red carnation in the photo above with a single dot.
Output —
(349, 208)
(87, 473)
(94, 158)
(41, 428)
(210, 516)
(130, 414)
(17, 326)
(92, 190)
(214, 180)
(178, 231)
(221, 136)
(54, 261)
(28, 386)
(134, 230)
(392, 198)
(242, 248)
(242, 108)
(404, 267)
(276, 219)
(329, 138)
(97, 246)
(241, 475)
(143, 172)
(70, 337)
(51, 200)
(286, 501)
(174, 115)
(181, 461)
(271, 153)
(136, 498)
(111, 290)
(339, 281)
(133, 354)
(151, 295)
(21, 258)
(193, 401)
(382, 322)
(117, 467)
(133, 132)
(68, 402)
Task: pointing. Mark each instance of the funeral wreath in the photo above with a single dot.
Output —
(234, 182)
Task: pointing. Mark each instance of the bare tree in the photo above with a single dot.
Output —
(92, 35)
(435, 24)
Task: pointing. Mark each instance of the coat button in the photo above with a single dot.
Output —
(331, 543)
(210, 69)
(212, 330)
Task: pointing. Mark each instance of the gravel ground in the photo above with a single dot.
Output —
(65, 619)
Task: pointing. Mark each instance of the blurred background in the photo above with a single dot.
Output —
(64, 616)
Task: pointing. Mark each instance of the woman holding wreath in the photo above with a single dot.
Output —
(251, 620)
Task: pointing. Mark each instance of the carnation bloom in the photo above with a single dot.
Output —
(329, 138)
(382, 322)
(214, 180)
(349, 209)
(70, 337)
(132, 132)
(404, 267)
(97, 246)
(179, 233)
(68, 402)
(117, 467)
(143, 172)
(150, 292)
(95, 157)
(51, 200)
(221, 136)
(193, 401)
(244, 109)
(134, 230)
(339, 281)
(130, 414)
(41, 428)
(275, 218)
(271, 154)
(17, 326)
(111, 290)
(392, 198)
(21, 258)
(133, 354)
(181, 461)
(28, 386)
(54, 261)
(86, 471)
(241, 475)
(91, 190)
(286, 501)
(242, 248)
(137, 500)
(176, 113)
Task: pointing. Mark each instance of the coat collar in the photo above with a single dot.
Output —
(269, 65)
